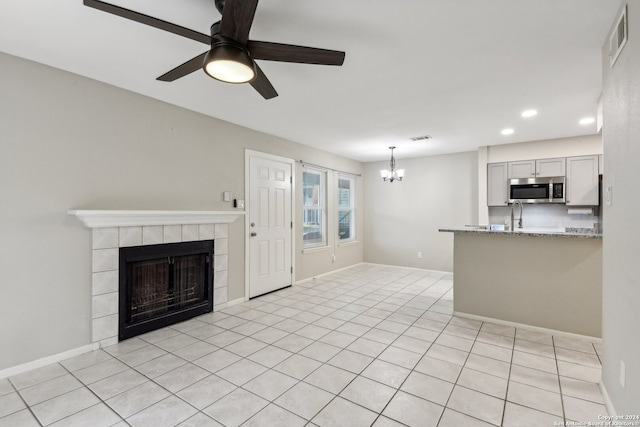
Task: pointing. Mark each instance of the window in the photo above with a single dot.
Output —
(346, 208)
(314, 195)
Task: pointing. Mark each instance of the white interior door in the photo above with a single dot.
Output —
(270, 224)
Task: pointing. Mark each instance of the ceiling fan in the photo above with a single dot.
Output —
(232, 54)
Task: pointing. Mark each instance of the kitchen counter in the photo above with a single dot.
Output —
(548, 279)
(568, 233)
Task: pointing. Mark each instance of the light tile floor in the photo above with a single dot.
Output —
(370, 345)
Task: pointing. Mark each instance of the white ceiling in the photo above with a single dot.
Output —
(458, 70)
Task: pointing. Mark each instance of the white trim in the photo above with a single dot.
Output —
(40, 363)
(247, 220)
(348, 243)
(109, 218)
(528, 327)
(235, 302)
(607, 400)
(313, 249)
(317, 276)
(308, 279)
(410, 268)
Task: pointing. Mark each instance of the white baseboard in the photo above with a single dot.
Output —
(410, 268)
(19, 369)
(235, 302)
(527, 327)
(607, 400)
(317, 276)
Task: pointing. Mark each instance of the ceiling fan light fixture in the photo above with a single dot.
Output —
(229, 63)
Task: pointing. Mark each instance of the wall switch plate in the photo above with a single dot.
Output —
(226, 196)
(238, 203)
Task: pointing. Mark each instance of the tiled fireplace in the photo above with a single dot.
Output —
(113, 230)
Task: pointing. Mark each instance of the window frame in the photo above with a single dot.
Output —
(351, 208)
(322, 205)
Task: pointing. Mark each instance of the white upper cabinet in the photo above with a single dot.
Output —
(522, 169)
(497, 184)
(537, 168)
(550, 167)
(582, 181)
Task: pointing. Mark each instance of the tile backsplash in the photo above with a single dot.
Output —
(545, 216)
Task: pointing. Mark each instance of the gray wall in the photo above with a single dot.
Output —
(530, 280)
(621, 270)
(67, 142)
(403, 218)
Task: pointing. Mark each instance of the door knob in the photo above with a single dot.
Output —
(253, 234)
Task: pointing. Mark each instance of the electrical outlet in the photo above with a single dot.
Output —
(333, 258)
(623, 373)
(419, 255)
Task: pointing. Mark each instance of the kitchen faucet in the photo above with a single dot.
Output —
(520, 219)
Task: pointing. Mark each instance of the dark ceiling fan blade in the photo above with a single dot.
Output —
(237, 17)
(148, 20)
(292, 53)
(262, 84)
(188, 67)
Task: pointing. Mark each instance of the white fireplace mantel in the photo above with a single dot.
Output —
(130, 218)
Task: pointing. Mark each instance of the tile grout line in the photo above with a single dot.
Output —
(506, 392)
(555, 356)
(27, 406)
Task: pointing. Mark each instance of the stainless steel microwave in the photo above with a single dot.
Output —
(537, 190)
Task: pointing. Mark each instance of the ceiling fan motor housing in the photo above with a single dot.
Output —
(235, 56)
(219, 5)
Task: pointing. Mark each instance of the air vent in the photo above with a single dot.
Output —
(420, 138)
(618, 37)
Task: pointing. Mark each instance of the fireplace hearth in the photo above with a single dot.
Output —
(163, 284)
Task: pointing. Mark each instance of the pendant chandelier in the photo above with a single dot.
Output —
(392, 174)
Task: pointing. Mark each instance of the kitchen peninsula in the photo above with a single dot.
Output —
(545, 279)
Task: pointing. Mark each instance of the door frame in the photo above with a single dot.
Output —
(247, 218)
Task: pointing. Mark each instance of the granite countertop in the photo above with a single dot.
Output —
(569, 232)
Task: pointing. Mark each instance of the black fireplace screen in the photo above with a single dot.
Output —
(164, 284)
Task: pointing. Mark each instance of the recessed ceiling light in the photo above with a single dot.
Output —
(529, 113)
(507, 131)
(587, 121)
(420, 138)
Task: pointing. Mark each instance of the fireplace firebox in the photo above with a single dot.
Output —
(161, 285)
